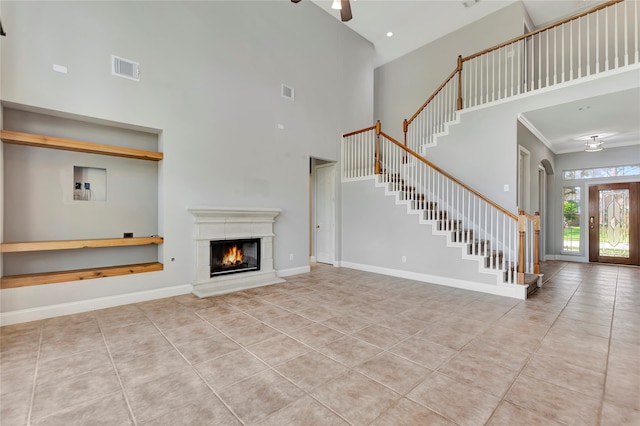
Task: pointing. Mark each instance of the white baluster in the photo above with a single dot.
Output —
(597, 41)
(626, 36)
(555, 55)
(615, 33)
(579, 49)
(635, 26)
(562, 56)
(606, 39)
(548, 65)
(588, 45)
(539, 60)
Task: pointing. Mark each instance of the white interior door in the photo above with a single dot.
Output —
(325, 213)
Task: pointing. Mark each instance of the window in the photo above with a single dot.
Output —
(571, 219)
(602, 172)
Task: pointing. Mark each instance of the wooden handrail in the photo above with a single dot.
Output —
(439, 170)
(355, 132)
(424, 105)
(545, 28)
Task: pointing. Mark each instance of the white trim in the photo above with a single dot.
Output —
(42, 312)
(331, 167)
(534, 130)
(571, 258)
(508, 290)
(356, 179)
(293, 271)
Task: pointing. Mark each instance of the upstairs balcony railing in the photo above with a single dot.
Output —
(599, 40)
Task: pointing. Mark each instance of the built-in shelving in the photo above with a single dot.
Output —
(24, 280)
(14, 281)
(78, 244)
(20, 138)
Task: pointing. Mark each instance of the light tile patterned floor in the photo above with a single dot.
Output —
(337, 347)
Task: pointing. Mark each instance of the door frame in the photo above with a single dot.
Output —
(634, 220)
(542, 208)
(314, 221)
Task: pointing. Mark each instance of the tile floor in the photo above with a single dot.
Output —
(337, 347)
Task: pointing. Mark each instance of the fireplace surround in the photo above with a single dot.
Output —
(225, 226)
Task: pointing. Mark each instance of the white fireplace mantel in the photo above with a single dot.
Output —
(226, 223)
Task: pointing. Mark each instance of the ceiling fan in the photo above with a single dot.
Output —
(343, 5)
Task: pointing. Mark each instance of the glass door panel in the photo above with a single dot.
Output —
(613, 214)
(613, 223)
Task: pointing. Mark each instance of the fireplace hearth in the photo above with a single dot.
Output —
(234, 256)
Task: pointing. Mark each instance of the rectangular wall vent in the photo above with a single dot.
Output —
(287, 92)
(125, 68)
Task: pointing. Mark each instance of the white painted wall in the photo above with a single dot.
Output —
(403, 85)
(211, 75)
(377, 232)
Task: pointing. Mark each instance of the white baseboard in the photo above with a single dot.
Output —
(312, 259)
(507, 290)
(293, 271)
(43, 312)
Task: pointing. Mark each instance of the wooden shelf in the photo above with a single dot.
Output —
(20, 138)
(14, 281)
(78, 244)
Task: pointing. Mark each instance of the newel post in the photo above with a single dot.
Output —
(378, 130)
(522, 228)
(405, 128)
(459, 82)
(536, 258)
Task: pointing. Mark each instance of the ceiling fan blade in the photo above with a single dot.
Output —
(345, 12)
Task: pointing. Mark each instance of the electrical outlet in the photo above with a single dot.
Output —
(128, 235)
(404, 259)
(290, 256)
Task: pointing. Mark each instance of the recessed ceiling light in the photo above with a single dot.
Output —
(389, 34)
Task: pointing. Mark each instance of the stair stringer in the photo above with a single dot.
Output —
(447, 234)
(498, 286)
(444, 132)
(493, 245)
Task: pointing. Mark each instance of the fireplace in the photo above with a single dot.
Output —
(217, 230)
(233, 256)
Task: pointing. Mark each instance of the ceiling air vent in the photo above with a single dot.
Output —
(287, 92)
(125, 68)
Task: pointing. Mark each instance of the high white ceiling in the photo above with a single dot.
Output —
(415, 23)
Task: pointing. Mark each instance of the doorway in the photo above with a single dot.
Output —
(614, 231)
(323, 220)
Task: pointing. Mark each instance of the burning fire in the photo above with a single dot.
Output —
(233, 256)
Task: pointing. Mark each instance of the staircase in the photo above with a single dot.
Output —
(502, 243)
(454, 230)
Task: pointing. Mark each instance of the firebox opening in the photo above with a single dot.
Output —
(231, 256)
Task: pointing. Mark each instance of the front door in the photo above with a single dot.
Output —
(614, 230)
